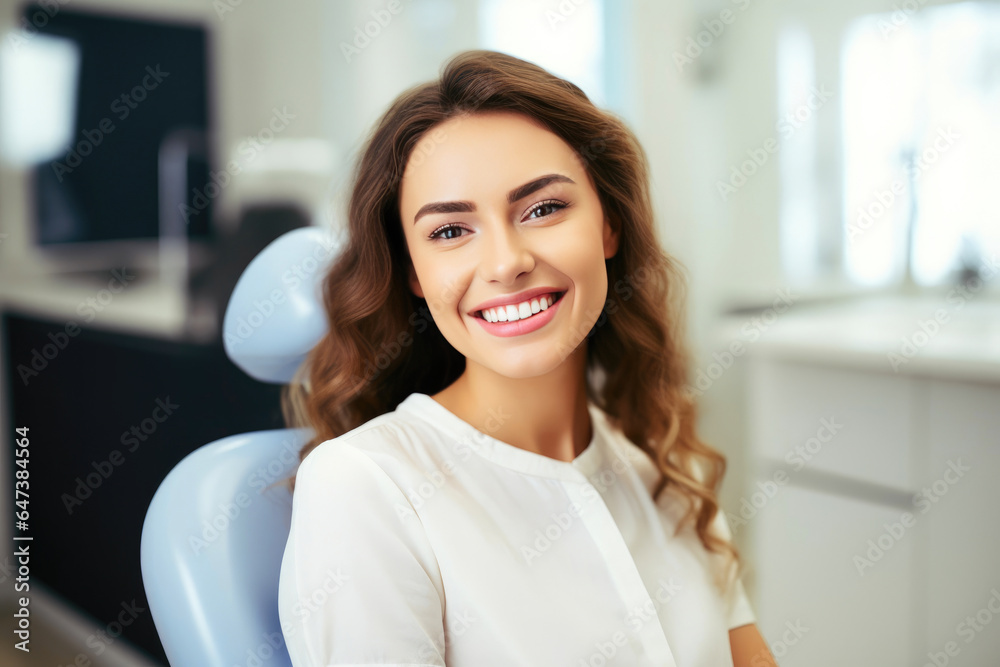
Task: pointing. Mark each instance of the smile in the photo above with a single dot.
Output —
(528, 316)
(519, 311)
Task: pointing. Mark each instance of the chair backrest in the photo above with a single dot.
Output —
(211, 549)
(216, 529)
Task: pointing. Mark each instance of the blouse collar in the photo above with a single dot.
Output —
(579, 469)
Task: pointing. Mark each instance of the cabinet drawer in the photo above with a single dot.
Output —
(842, 421)
(844, 611)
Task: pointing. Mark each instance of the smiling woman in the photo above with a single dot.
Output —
(529, 455)
(529, 224)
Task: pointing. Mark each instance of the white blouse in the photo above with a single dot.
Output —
(418, 540)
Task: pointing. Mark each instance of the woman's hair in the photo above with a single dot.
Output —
(382, 343)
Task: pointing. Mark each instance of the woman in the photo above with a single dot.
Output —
(505, 469)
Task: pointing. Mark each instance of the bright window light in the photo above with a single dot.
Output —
(921, 104)
(38, 88)
(799, 197)
(565, 38)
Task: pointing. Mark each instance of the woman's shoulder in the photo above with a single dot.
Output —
(395, 442)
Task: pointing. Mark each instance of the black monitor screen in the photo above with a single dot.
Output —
(132, 83)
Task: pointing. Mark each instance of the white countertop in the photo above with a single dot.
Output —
(945, 335)
(145, 306)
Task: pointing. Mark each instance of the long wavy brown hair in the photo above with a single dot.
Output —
(382, 344)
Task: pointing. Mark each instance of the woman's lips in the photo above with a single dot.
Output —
(553, 296)
(521, 327)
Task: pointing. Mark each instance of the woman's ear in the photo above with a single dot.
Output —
(414, 283)
(610, 240)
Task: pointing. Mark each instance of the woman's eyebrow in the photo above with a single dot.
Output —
(517, 194)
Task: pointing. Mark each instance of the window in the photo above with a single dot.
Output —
(921, 132)
(38, 97)
(799, 219)
(565, 38)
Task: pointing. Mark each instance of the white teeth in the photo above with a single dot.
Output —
(520, 311)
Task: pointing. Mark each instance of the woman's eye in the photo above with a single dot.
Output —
(437, 233)
(545, 208)
(550, 206)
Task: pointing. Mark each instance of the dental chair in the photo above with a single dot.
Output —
(215, 531)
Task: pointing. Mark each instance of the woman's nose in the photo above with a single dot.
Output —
(506, 254)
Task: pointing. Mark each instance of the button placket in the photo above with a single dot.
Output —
(595, 515)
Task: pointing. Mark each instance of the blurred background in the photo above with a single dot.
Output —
(823, 171)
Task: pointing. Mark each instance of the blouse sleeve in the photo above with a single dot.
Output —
(737, 604)
(359, 582)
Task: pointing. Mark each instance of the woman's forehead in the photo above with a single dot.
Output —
(482, 155)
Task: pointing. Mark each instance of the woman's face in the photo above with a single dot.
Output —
(494, 206)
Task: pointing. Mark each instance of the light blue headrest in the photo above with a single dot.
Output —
(275, 314)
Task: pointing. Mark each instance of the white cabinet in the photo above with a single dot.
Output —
(807, 577)
(840, 421)
(962, 430)
(850, 545)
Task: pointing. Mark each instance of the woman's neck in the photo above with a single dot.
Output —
(545, 414)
